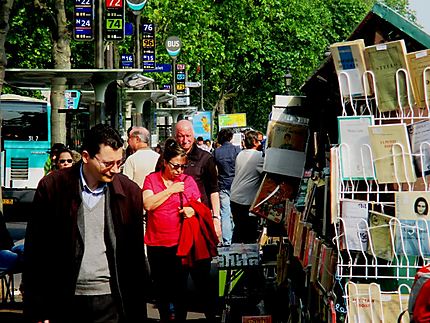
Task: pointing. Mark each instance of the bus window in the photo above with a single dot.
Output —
(24, 122)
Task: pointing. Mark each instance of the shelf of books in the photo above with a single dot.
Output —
(379, 190)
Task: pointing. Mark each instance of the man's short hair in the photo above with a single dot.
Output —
(101, 134)
(140, 132)
(225, 135)
(199, 138)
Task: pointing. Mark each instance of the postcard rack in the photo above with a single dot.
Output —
(369, 103)
(381, 251)
(367, 303)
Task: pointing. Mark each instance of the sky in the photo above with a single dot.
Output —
(422, 12)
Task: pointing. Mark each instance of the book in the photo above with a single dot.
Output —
(392, 163)
(354, 214)
(348, 58)
(286, 141)
(354, 143)
(380, 238)
(412, 230)
(366, 303)
(257, 319)
(334, 184)
(270, 200)
(419, 136)
(314, 261)
(418, 61)
(384, 60)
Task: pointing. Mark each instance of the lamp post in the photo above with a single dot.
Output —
(288, 78)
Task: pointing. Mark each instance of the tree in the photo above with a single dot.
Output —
(243, 46)
(5, 8)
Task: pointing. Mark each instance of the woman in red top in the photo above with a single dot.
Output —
(164, 194)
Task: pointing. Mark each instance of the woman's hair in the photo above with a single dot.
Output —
(251, 137)
(59, 152)
(418, 200)
(172, 149)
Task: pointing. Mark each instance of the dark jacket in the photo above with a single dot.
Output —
(54, 247)
(201, 166)
(225, 158)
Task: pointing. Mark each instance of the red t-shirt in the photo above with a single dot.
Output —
(164, 223)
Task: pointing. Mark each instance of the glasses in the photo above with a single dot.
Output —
(62, 161)
(110, 164)
(178, 166)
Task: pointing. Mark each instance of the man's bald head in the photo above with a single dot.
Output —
(184, 134)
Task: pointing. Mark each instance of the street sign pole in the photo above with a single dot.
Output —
(173, 46)
(174, 80)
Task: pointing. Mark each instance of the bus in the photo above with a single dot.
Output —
(25, 143)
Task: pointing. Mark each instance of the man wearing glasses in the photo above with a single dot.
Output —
(85, 239)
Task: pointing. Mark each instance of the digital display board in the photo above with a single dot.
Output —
(114, 20)
(180, 78)
(83, 18)
(148, 46)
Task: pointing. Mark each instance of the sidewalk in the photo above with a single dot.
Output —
(12, 313)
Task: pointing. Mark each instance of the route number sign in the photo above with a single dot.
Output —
(83, 18)
(114, 20)
(148, 46)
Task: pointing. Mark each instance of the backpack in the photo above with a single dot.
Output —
(420, 288)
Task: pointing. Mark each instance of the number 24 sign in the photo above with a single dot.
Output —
(114, 3)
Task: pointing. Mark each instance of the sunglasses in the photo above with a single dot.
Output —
(178, 166)
(62, 161)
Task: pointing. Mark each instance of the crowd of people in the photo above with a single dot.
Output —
(88, 233)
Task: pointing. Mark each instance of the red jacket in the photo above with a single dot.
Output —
(421, 312)
(198, 239)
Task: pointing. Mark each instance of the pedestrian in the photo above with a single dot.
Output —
(164, 192)
(85, 258)
(143, 160)
(246, 182)
(202, 167)
(225, 158)
(50, 161)
(201, 144)
(64, 159)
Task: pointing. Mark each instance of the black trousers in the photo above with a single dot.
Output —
(245, 226)
(94, 309)
(169, 279)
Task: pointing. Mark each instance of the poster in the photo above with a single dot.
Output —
(285, 148)
(202, 124)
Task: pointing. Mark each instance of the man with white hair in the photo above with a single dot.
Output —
(143, 160)
(202, 167)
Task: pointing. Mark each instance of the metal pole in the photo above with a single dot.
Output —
(138, 55)
(201, 87)
(174, 80)
(99, 50)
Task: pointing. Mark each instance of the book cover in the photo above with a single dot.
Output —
(257, 319)
(286, 141)
(314, 261)
(419, 136)
(334, 184)
(384, 60)
(354, 143)
(271, 198)
(354, 215)
(392, 163)
(298, 240)
(418, 61)
(380, 240)
(365, 302)
(348, 57)
(412, 231)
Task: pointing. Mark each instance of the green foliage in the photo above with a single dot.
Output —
(243, 46)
